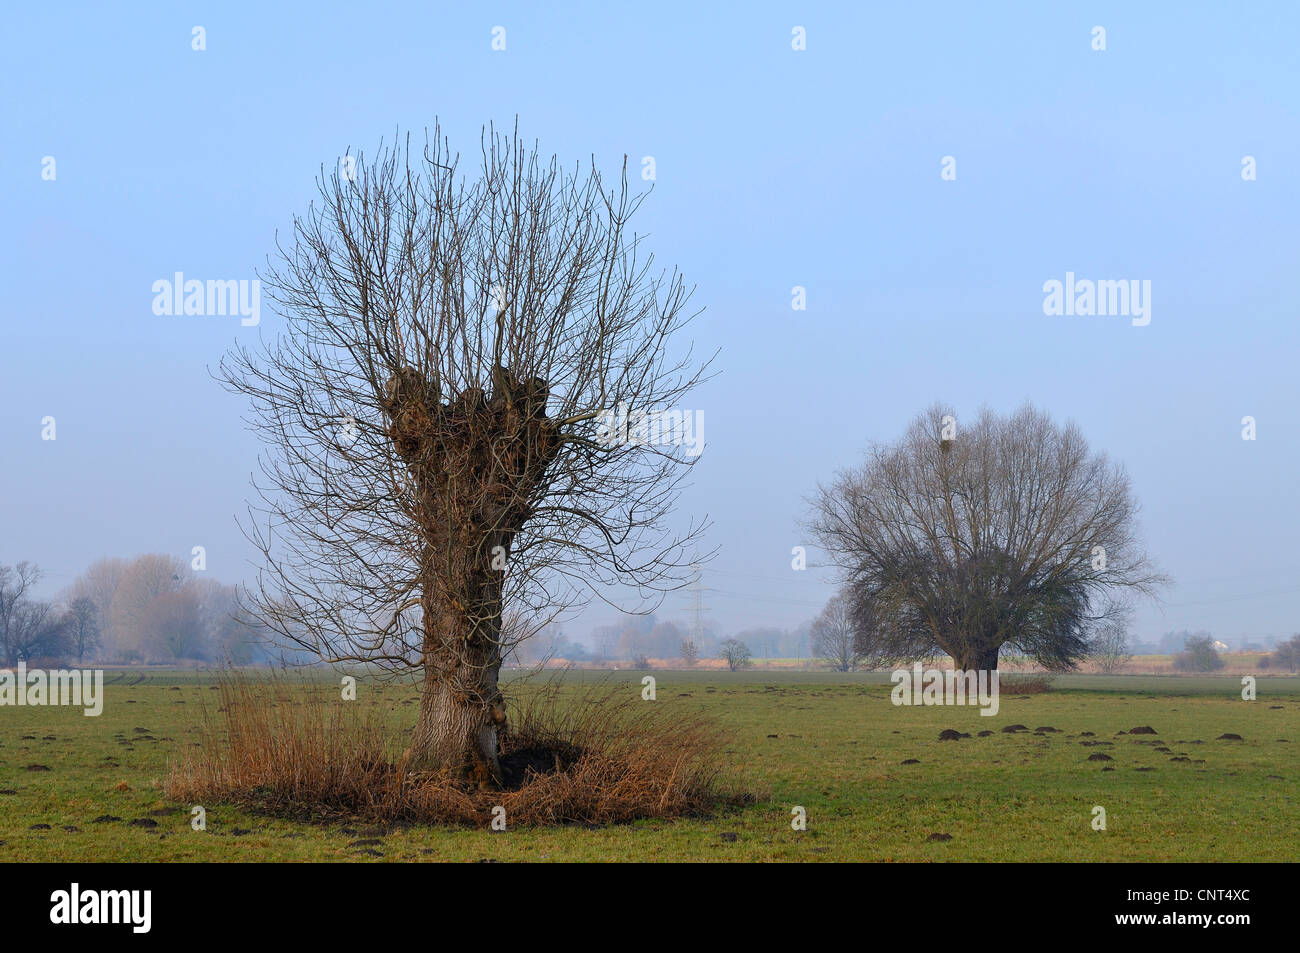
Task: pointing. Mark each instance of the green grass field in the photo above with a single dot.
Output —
(832, 744)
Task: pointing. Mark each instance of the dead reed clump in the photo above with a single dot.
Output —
(284, 745)
(571, 756)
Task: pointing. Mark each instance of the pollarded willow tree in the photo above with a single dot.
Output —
(438, 412)
(1008, 533)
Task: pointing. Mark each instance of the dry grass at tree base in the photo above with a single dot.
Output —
(600, 757)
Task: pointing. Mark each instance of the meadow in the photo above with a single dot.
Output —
(874, 779)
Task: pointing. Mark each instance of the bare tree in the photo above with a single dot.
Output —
(764, 639)
(1009, 532)
(439, 417)
(1110, 646)
(1198, 655)
(82, 620)
(690, 652)
(606, 638)
(736, 653)
(665, 640)
(29, 628)
(16, 584)
(39, 632)
(145, 579)
(1288, 653)
(100, 583)
(834, 638)
(172, 626)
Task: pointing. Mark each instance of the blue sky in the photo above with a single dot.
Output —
(775, 168)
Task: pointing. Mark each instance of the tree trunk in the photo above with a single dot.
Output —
(461, 707)
(455, 732)
(977, 659)
(476, 465)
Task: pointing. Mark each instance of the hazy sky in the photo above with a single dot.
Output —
(776, 168)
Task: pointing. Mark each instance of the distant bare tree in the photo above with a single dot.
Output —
(834, 639)
(1198, 655)
(736, 654)
(765, 640)
(606, 639)
(665, 640)
(1009, 533)
(172, 626)
(16, 584)
(1288, 653)
(29, 628)
(145, 579)
(40, 632)
(1110, 646)
(438, 415)
(690, 652)
(99, 584)
(83, 626)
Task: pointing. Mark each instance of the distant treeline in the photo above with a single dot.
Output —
(152, 608)
(649, 637)
(1171, 643)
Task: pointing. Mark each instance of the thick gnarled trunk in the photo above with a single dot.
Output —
(455, 731)
(462, 711)
(475, 465)
(975, 657)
